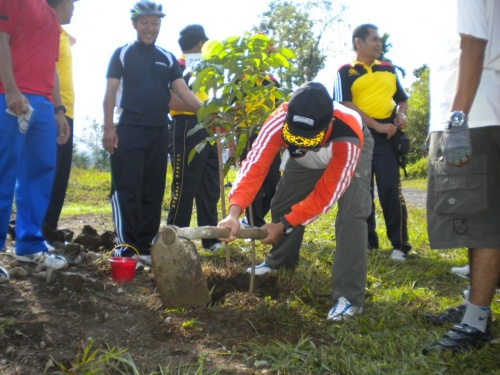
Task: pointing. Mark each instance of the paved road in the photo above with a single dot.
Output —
(413, 197)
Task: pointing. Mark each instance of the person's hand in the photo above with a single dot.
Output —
(275, 232)
(231, 221)
(233, 224)
(400, 121)
(16, 102)
(109, 139)
(62, 128)
(455, 144)
(388, 129)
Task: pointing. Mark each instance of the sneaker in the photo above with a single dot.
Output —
(342, 309)
(260, 269)
(4, 275)
(244, 223)
(459, 339)
(463, 272)
(398, 255)
(53, 261)
(215, 247)
(453, 315)
(144, 259)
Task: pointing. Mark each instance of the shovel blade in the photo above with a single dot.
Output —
(177, 269)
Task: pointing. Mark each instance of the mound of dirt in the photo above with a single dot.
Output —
(49, 318)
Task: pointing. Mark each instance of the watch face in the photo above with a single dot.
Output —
(457, 118)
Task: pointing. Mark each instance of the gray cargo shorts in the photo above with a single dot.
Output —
(463, 203)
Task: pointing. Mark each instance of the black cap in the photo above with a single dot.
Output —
(191, 35)
(309, 113)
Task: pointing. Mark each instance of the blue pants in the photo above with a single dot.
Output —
(27, 163)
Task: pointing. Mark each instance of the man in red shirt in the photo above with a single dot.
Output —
(31, 121)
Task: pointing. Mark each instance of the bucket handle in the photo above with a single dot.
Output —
(125, 245)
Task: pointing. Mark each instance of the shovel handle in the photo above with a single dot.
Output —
(202, 233)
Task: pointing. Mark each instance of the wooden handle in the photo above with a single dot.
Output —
(202, 233)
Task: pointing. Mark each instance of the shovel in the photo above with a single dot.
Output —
(176, 263)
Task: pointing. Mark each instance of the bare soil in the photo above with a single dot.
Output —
(44, 323)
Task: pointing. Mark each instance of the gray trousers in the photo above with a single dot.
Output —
(351, 231)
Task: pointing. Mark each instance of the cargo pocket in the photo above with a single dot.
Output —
(461, 190)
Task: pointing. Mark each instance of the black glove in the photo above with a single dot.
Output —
(455, 144)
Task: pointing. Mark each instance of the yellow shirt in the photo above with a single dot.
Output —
(65, 71)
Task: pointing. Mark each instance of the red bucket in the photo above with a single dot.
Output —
(122, 268)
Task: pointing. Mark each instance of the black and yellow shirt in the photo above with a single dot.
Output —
(373, 89)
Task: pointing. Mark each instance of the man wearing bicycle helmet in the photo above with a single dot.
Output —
(147, 77)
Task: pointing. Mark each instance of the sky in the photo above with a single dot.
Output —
(100, 26)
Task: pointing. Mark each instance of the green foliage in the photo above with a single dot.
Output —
(301, 27)
(79, 159)
(418, 113)
(235, 73)
(97, 361)
(418, 169)
(92, 139)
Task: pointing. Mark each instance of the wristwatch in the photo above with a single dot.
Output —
(457, 119)
(60, 108)
(288, 228)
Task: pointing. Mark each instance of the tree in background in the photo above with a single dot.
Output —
(386, 47)
(418, 112)
(301, 27)
(80, 159)
(92, 141)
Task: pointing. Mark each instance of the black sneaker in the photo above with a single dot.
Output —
(453, 315)
(461, 338)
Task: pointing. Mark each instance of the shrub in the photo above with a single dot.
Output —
(418, 169)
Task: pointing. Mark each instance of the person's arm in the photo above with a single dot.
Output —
(109, 137)
(177, 104)
(455, 145)
(14, 99)
(400, 119)
(470, 69)
(389, 129)
(185, 95)
(61, 122)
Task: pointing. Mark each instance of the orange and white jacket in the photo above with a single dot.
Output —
(338, 155)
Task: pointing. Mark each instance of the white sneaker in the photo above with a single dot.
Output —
(463, 272)
(244, 223)
(144, 259)
(4, 275)
(215, 247)
(53, 261)
(260, 269)
(398, 255)
(342, 309)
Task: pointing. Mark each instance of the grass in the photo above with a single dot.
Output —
(386, 339)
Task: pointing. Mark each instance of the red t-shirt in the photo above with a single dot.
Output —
(34, 43)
